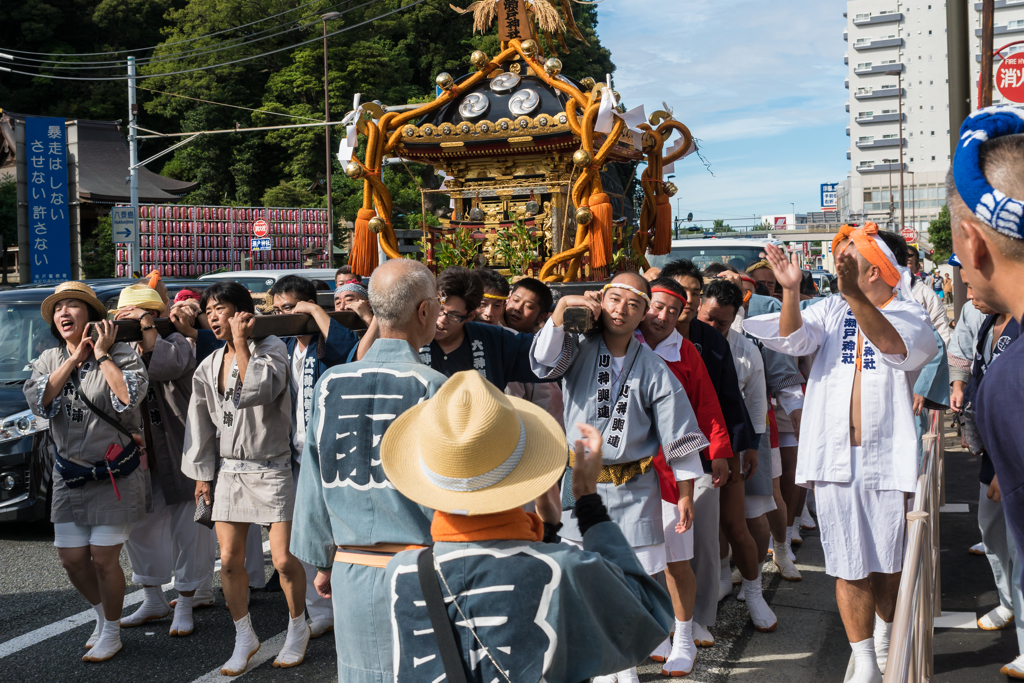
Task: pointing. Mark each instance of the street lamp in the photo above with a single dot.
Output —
(892, 210)
(898, 73)
(327, 126)
(913, 199)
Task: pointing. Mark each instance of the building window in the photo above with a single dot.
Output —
(866, 138)
(933, 132)
(863, 65)
(929, 32)
(865, 114)
(933, 158)
(890, 136)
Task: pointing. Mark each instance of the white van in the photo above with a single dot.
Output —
(739, 252)
(259, 281)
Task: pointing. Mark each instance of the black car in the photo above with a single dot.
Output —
(26, 449)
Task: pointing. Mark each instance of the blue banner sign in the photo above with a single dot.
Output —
(261, 243)
(47, 173)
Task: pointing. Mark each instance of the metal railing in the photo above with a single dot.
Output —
(920, 596)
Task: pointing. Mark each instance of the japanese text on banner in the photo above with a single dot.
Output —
(46, 172)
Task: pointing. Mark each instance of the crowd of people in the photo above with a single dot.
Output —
(458, 489)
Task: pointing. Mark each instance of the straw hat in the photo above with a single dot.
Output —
(141, 296)
(71, 290)
(472, 450)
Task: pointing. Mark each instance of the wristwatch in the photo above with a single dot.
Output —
(106, 356)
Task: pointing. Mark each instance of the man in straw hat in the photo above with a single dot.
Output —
(515, 609)
(626, 391)
(349, 519)
(869, 344)
(166, 541)
(986, 200)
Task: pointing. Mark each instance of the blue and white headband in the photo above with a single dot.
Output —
(954, 261)
(352, 287)
(1003, 213)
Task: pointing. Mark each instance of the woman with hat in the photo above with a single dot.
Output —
(514, 608)
(90, 392)
(167, 540)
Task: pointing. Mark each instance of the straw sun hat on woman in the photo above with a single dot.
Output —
(72, 290)
(472, 450)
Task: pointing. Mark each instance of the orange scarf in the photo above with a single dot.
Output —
(864, 240)
(511, 525)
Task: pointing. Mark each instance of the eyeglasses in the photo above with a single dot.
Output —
(453, 317)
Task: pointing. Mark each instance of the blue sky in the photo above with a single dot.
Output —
(760, 84)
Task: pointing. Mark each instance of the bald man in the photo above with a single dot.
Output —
(984, 190)
(628, 393)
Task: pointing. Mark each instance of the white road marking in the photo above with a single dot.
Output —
(268, 648)
(27, 640)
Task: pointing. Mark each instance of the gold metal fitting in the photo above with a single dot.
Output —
(584, 216)
(353, 170)
(582, 157)
(479, 59)
(553, 66)
(670, 188)
(530, 48)
(376, 225)
(588, 83)
(444, 80)
(647, 141)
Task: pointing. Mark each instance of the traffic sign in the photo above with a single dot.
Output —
(123, 225)
(261, 243)
(260, 228)
(909, 234)
(1010, 77)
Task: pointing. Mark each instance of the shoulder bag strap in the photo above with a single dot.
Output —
(442, 625)
(96, 411)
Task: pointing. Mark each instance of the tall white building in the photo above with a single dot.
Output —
(897, 58)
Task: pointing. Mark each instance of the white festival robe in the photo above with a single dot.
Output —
(888, 431)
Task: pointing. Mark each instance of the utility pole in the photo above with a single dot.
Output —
(133, 159)
(988, 11)
(327, 134)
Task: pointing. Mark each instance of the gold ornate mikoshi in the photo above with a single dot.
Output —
(583, 215)
(353, 170)
(376, 225)
(530, 48)
(444, 80)
(479, 59)
(582, 157)
(670, 189)
(553, 66)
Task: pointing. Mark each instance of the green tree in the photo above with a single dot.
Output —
(290, 193)
(940, 236)
(98, 257)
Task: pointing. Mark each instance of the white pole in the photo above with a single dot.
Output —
(133, 147)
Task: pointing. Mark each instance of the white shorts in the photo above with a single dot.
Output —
(678, 547)
(755, 506)
(70, 535)
(776, 462)
(787, 440)
(652, 557)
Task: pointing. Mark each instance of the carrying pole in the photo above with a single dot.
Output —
(133, 149)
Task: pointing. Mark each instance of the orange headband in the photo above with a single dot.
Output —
(843, 234)
(868, 245)
(154, 279)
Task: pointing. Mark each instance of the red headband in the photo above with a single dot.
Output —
(655, 290)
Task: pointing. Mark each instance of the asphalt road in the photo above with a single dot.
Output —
(36, 644)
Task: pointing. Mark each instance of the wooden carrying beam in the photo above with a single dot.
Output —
(294, 325)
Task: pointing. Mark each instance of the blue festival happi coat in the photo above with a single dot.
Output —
(544, 611)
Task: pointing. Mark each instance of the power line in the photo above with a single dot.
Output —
(214, 66)
(177, 56)
(234, 106)
(178, 42)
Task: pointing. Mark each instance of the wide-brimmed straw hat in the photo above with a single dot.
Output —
(141, 296)
(472, 450)
(71, 290)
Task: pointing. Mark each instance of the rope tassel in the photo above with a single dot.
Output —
(363, 257)
(600, 231)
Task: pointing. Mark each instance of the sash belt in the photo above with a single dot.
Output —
(619, 474)
(371, 556)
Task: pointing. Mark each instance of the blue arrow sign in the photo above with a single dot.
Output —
(123, 236)
(122, 224)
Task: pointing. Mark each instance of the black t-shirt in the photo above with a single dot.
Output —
(999, 399)
(461, 358)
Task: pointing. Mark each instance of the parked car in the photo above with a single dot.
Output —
(26, 449)
(739, 252)
(259, 281)
(823, 278)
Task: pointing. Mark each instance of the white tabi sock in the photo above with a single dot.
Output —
(98, 628)
(182, 625)
(760, 613)
(294, 650)
(882, 632)
(246, 645)
(865, 667)
(684, 652)
(628, 676)
(108, 645)
(661, 652)
(154, 606)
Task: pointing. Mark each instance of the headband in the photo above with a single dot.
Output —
(495, 297)
(954, 261)
(878, 254)
(622, 285)
(354, 287)
(1004, 214)
(763, 263)
(664, 290)
(843, 234)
